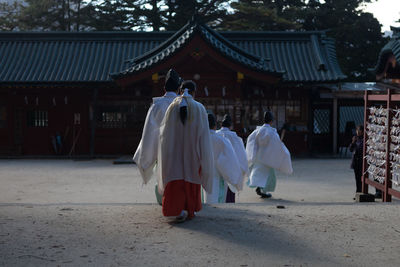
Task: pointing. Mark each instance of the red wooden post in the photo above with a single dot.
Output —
(364, 168)
(388, 176)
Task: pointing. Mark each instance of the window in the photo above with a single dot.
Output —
(3, 116)
(113, 120)
(322, 121)
(122, 116)
(37, 118)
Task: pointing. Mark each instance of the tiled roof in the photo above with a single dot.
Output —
(183, 36)
(48, 57)
(304, 56)
(70, 57)
(391, 48)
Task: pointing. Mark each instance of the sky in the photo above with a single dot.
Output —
(386, 12)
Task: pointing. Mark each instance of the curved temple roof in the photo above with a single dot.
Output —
(183, 36)
(73, 57)
(391, 49)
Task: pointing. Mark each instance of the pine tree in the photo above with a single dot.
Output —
(106, 15)
(263, 15)
(54, 15)
(357, 34)
(9, 16)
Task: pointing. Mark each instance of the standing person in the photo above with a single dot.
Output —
(266, 153)
(240, 152)
(227, 169)
(185, 155)
(284, 129)
(357, 146)
(146, 154)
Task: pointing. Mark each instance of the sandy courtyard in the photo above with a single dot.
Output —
(95, 213)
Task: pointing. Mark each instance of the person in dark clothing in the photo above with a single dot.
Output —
(356, 147)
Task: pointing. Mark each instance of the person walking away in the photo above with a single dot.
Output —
(227, 172)
(240, 152)
(145, 156)
(265, 154)
(185, 156)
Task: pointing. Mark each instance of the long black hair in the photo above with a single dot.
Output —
(211, 121)
(183, 111)
(268, 117)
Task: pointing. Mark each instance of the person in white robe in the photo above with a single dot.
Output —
(239, 149)
(145, 156)
(185, 155)
(227, 172)
(265, 154)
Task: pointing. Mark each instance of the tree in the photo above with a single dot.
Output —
(55, 15)
(147, 14)
(263, 15)
(357, 34)
(107, 15)
(179, 12)
(9, 16)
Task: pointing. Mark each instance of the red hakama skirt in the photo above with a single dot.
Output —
(181, 195)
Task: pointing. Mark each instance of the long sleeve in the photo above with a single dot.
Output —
(146, 154)
(270, 150)
(238, 146)
(206, 152)
(228, 166)
(251, 148)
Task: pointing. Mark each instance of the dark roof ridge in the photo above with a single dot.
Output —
(391, 48)
(231, 45)
(396, 32)
(182, 36)
(171, 40)
(319, 60)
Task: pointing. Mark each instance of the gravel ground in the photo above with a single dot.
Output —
(94, 213)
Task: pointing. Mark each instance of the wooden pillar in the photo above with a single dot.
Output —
(388, 177)
(237, 126)
(310, 123)
(335, 125)
(364, 168)
(93, 120)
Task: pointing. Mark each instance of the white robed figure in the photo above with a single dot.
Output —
(227, 171)
(146, 153)
(237, 144)
(185, 155)
(265, 154)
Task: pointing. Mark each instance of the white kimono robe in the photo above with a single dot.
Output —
(240, 151)
(185, 151)
(226, 171)
(266, 152)
(146, 153)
